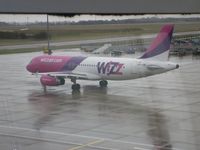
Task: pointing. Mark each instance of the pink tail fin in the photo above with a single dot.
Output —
(159, 49)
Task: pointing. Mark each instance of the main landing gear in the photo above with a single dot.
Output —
(75, 86)
(103, 83)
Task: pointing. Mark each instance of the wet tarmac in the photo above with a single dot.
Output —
(161, 112)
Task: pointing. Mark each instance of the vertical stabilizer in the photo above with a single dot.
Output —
(159, 48)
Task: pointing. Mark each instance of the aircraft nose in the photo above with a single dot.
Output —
(28, 67)
(177, 66)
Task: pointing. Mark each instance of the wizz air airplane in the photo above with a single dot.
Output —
(55, 69)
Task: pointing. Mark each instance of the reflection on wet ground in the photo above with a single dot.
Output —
(159, 112)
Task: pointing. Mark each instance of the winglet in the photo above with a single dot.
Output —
(159, 48)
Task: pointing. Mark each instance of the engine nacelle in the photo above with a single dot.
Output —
(51, 81)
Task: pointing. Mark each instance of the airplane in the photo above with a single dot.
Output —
(55, 69)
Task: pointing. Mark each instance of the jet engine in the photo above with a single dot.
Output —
(51, 81)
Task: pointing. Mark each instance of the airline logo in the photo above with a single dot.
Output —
(51, 60)
(110, 68)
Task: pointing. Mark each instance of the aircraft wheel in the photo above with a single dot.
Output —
(62, 81)
(76, 87)
(103, 83)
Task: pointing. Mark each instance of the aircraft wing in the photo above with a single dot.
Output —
(101, 49)
(78, 75)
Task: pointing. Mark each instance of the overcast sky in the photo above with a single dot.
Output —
(10, 18)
